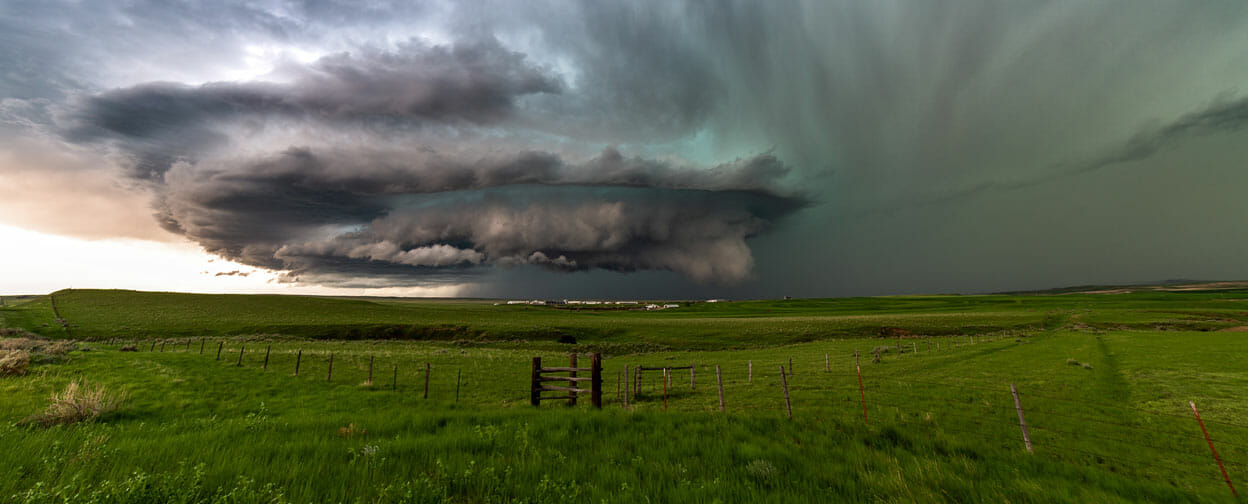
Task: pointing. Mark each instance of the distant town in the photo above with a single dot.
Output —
(632, 305)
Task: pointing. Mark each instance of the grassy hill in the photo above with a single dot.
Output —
(104, 314)
(1105, 382)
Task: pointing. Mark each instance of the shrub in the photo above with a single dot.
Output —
(14, 362)
(77, 403)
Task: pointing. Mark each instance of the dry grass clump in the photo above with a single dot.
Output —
(14, 362)
(77, 403)
(22, 343)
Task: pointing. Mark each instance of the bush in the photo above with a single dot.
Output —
(14, 362)
(77, 403)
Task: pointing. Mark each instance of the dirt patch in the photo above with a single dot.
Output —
(1242, 328)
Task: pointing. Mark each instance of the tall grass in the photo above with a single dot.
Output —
(78, 402)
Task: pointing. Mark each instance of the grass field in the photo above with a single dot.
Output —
(1105, 382)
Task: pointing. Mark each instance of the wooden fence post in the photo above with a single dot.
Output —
(330, 375)
(394, 383)
(370, 371)
(827, 365)
(1022, 422)
(458, 373)
(664, 389)
(267, 348)
(1216, 458)
(572, 383)
(691, 368)
(719, 378)
(201, 345)
(784, 382)
(535, 390)
(637, 382)
(627, 386)
(427, 380)
(153, 348)
(240, 355)
(595, 394)
(861, 392)
(298, 360)
(751, 363)
(220, 345)
(188, 345)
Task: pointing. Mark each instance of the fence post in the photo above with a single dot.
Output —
(188, 345)
(220, 345)
(535, 389)
(427, 379)
(691, 367)
(915, 346)
(458, 372)
(790, 366)
(153, 348)
(827, 366)
(628, 385)
(1212, 449)
(637, 380)
(240, 355)
(1022, 422)
(664, 389)
(298, 360)
(267, 348)
(370, 371)
(719, 378)
(394, 383)
(330, 375)
(201, 345)
(751, 363)
(572, 383)
(595, 394)
(784, 382)
(861, 393)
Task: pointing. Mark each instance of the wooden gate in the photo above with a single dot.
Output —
(595, 381)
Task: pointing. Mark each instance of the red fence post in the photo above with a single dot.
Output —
(1212, 449)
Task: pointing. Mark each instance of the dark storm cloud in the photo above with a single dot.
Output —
(443, 209)
(158, 123)
(475, 82)
(307, 212)
(696, 233)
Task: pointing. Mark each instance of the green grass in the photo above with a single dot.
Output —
(103, 314)
(943, 426)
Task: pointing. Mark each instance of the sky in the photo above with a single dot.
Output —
(641, 149)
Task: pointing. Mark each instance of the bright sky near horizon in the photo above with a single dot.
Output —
(547, 149)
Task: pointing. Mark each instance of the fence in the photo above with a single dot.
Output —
(540, 380)
(1056, 424)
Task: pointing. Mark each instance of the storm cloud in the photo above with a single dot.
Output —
(726, 149)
